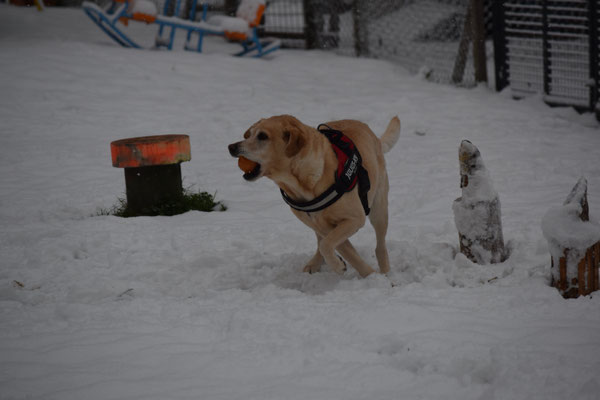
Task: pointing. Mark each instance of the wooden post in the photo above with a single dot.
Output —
(500, 56)
(477, 211)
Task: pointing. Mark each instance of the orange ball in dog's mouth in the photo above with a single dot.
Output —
(246, 165)
(251, 169)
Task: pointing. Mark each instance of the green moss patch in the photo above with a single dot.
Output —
(189, 201)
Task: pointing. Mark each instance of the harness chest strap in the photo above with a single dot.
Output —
(350, 172)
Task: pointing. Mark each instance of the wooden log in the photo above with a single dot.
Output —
(477, 211)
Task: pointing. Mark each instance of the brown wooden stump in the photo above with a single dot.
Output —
(575, 272)
(477, 211)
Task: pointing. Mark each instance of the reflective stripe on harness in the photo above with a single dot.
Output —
(350, 172)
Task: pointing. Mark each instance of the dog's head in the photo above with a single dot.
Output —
(271, 143)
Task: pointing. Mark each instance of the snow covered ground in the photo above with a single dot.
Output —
(215, 305)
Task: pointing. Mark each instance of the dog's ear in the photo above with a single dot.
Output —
(295, 141)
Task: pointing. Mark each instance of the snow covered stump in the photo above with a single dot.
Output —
(477, 211)
(574, 244)
(152, 169)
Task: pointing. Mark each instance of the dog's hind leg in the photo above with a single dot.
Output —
(379, 220)
(315, 263)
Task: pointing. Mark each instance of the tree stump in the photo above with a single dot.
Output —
(152, 169)
(574, 244)
(477, 211)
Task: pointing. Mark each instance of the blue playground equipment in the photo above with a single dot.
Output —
(241, 29)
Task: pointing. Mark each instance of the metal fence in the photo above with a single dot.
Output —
(422, 35)
(549, 47)
(430, 37)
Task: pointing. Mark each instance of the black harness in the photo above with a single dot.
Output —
(350, 172)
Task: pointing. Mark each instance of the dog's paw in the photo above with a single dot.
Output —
(340, 266)
(312, 269)
(339, 271)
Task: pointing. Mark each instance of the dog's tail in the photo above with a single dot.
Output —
(391, 135)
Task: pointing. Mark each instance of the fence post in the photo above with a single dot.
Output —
(478, 27)
(310, 29)
(361, 32)
(545, 47)
(500, 61)
(593, 35)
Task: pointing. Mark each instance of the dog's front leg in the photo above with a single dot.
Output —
(314, 265)
(335, 238)
(351, 255)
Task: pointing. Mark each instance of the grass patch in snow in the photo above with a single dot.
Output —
(189, 201)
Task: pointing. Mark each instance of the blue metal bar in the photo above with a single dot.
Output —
(192, 18)
(204, 11)
(165, 11)
(108, 26)
(193, 10)
(173, 28)
(200, 38)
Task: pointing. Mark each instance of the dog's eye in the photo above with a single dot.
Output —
(262, 136)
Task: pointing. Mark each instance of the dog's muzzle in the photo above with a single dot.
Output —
(234, 150)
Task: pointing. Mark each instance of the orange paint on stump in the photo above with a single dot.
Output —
(150, 150)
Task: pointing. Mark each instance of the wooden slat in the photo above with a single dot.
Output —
(562, 283)
(581, 277)
(591, 270)
(597, 266)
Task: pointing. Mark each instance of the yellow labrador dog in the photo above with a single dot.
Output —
(332, 177)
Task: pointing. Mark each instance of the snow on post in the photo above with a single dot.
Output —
(574, 244)
(477, 211)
